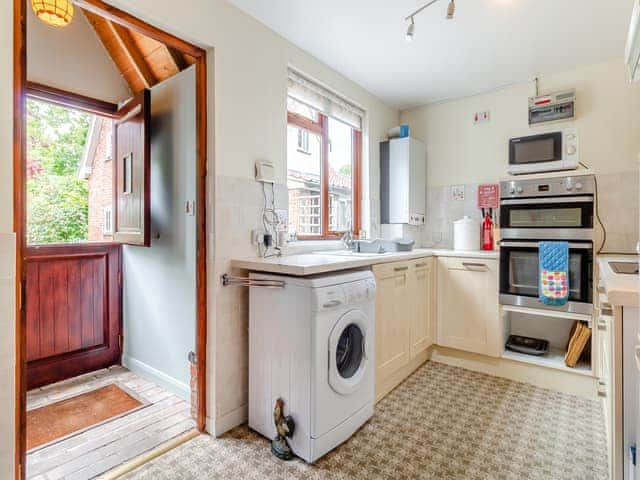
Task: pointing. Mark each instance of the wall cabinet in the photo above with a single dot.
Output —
(467, 305)
(404, 319)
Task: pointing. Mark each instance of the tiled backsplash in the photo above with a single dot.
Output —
(618, 196)
(443, 208)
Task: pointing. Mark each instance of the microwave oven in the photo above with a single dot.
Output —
(544, 152)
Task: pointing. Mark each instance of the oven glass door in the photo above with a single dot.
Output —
(519, 270)
(573, 212)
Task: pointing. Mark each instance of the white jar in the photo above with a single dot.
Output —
(466, 234)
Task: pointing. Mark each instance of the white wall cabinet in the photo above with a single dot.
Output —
(405, 326)
(467, 305)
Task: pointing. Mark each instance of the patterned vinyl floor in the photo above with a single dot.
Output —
(441, 423)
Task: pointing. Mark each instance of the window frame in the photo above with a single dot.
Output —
(321, 128)
(72, 101)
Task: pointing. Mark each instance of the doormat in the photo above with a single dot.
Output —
(73, 415)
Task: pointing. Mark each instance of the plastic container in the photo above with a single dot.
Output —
(466, 234)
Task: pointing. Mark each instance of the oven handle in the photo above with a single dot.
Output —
(577, 246)
(526, 201)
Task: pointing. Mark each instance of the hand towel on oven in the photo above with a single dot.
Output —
(553, 258)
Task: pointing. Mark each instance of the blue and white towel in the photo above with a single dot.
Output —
(553, 288)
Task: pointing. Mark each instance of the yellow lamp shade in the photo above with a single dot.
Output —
(53, 12)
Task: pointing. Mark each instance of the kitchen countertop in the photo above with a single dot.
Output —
(621, 289)
(313, 263)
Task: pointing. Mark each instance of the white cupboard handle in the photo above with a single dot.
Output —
(478, 265)
(637, 356)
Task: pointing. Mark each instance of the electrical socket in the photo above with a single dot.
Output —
(257, 236)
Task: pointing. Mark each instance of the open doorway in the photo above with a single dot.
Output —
(111, 254)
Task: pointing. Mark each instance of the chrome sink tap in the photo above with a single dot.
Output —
(348, 240)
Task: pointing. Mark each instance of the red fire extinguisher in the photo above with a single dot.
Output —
(487, 231)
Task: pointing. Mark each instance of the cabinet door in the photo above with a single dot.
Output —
(422, 318)
(467, 308)
(393, 315)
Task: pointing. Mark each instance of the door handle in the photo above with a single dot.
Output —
(477, 265)
(637, 357)
(400, 269)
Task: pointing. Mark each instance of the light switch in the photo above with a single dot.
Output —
(190, 208)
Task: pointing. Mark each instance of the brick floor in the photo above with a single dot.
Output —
(97, 450)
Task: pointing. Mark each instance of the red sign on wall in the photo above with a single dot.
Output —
(488, 196)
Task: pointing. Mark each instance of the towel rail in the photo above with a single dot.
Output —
(231, 281)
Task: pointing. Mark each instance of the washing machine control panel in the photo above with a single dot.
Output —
(335, 296)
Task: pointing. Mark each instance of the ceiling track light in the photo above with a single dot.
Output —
(451, 10)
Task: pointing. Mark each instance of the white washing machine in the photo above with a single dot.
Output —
(312, 343)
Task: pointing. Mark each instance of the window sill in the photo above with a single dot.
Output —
(308, 246)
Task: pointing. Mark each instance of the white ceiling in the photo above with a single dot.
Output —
(490, 43)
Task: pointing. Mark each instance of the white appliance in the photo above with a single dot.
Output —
(311, 343)
(632, 50)
(466, 234)
(544, 152)
(403, 179)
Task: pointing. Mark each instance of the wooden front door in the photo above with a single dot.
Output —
(73, 310)
(132, 170)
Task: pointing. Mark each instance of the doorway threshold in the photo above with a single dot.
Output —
(100, 449)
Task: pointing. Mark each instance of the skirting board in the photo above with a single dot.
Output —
(228, 421)
(165, 381)
(558, 380)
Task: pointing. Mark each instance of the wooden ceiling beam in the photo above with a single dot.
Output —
(123, 37)
(178, 60)
(123, 51)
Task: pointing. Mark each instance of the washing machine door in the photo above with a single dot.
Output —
(348, 346)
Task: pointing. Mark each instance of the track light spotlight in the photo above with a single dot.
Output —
(410, 30)
(451, 9)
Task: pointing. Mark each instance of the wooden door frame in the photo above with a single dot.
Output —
(123, 18)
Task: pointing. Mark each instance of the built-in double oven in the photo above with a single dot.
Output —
(532, 211)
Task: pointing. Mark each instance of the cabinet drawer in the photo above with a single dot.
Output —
(476, 264)
(385, 270)
(422, 263)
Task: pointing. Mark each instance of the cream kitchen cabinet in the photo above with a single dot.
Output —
(404, 321)
(422, 283)
(467, 305)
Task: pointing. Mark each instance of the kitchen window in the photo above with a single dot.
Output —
(324, 150)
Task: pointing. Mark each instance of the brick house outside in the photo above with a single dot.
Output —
(96, 167)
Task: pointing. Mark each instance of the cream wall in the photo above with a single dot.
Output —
(247, 75)
(67, 57)
(608, 123)
(607, 120)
